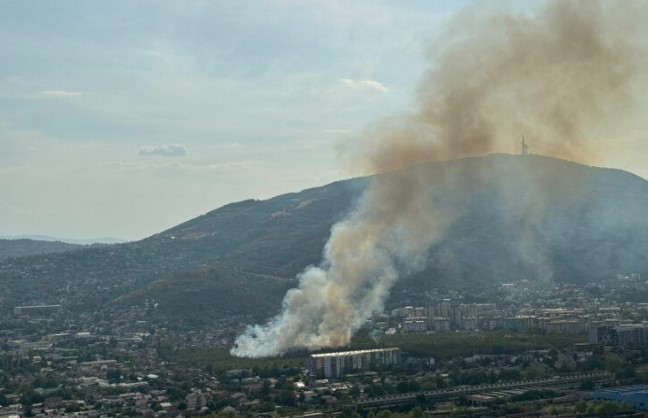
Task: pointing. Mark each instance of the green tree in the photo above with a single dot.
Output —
(384, 414)
(587, 385)
(612, 364)
(267, 406)
(416, 412)
(581, 407)
(607, 409)
(625, 407)
(287, 397)
(533, 373)
(625, 372)
(375, 390)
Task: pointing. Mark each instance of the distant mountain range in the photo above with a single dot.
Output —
(21, 247)
(26, 245)
(47, 238)
(513, 218)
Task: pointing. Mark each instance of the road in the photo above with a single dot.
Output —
(442, 395)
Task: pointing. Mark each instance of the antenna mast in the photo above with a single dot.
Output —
(525, 147)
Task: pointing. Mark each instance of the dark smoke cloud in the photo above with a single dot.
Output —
(552, 77)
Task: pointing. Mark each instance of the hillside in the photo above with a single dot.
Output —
(514, 218)
(207, 293)
(26, 247)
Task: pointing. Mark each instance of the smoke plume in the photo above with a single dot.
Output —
(552, 77)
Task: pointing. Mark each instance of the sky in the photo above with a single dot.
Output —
(128, 117)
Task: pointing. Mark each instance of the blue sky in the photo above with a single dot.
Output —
(124, 118)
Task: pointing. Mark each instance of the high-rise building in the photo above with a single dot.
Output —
(620, 335)
(338, 363)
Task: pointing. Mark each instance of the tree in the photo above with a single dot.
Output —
(581, 407)
(113, 376)
(386, 413)
(587, 385)
(375, 390)
(612, 364)
(267, 406)
(625, 372)
(73, 407)
(625, 407)
(417, 412)
(533, 372)
(407, 386)
(265, 389)
(287, 397)
(553, 355)
(28, 411)
(607, 409)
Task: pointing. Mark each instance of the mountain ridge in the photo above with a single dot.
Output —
(21, 247)
(517, 217)
(78, 241)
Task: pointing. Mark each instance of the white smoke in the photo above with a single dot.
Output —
(362, 259)
(555, 75)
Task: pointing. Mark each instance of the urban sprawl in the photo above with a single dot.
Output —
(510, 349)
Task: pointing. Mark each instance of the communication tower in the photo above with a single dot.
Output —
(525, 147)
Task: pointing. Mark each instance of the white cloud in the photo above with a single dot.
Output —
(369, 85)
(61, 94)
(164, 150)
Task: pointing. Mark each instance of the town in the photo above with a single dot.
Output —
(309, 209)
(507, 349)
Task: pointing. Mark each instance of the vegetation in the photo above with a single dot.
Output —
(10, 248)
(218, 360)
(442, 345)
(255, 248)
(439, 346)
(194, 297)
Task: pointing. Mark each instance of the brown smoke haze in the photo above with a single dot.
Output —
(555, 78)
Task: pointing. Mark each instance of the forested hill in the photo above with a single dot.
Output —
(25, 247)
(513, 218)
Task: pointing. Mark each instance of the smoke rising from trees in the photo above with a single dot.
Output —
(553, 77)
